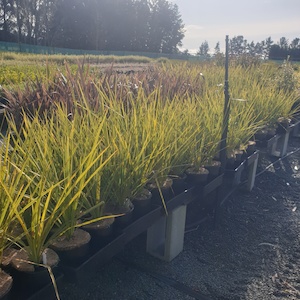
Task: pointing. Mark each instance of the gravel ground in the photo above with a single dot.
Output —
(253, 253)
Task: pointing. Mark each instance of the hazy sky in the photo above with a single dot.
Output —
(256, 20)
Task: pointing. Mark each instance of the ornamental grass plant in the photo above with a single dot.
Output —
(142, 126)
(87, 139)
(15, 182)
(144, 141)
(61, 159)
(255, 103)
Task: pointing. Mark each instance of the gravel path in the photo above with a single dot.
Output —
(253, 253)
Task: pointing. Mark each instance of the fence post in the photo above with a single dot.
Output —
(226, 112)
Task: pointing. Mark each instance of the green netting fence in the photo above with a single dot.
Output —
(26, 48)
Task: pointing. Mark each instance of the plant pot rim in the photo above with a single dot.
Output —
(166, 184)
(213, 163)
(144, 194)
(178, 176)
(124, 208)
(105, 223)
(20, 260)
(80, 238)
(197, 170)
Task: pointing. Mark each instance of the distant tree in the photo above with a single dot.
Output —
(283, 49)
(295, 44)
(237, 46)
(26, 20)
(72, 24)
(251, 49)
(276, 52)
(141, 17)
(259, 49)
(283, 43)
(204, 50)
(166, 29)
(217, 48)
(6, 16)
(185, 53)
(294, 49)
(267, 44)
(126, 25)
(120, 25)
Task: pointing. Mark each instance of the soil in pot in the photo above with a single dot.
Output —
(101, 232)
(29, 277)
(165, 188)
(197, 176)
(6, 282)
(142, 203)
(74, 249)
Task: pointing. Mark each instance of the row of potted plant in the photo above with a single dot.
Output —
(79, 159)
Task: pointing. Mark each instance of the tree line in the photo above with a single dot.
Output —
(239, 46)
(115, 25)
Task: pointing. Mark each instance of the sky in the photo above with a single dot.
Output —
(212, 20)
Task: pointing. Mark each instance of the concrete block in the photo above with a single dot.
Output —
(252, 167)
(296, 130)
(277, 146)
(165, 238)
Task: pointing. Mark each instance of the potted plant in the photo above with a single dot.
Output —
(242, 127)
(7, 217)
(64, 161)
(16, 203)
(139, 149)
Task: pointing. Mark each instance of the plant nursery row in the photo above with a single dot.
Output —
(91, 158)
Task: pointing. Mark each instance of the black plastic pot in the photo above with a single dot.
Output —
(71, 250)
(197, 176)
(214, 169)
(263, 135)
(282, 125)
(165, 190)
(251, 148)
(32, 281)
(101, 232)
(127, 210)
(179, 183)
(29, 278)
(142, 203)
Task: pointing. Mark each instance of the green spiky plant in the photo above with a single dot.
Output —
(61, 166)
(256, 103)
(15, 204)
(137, 150)
(14, 179)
